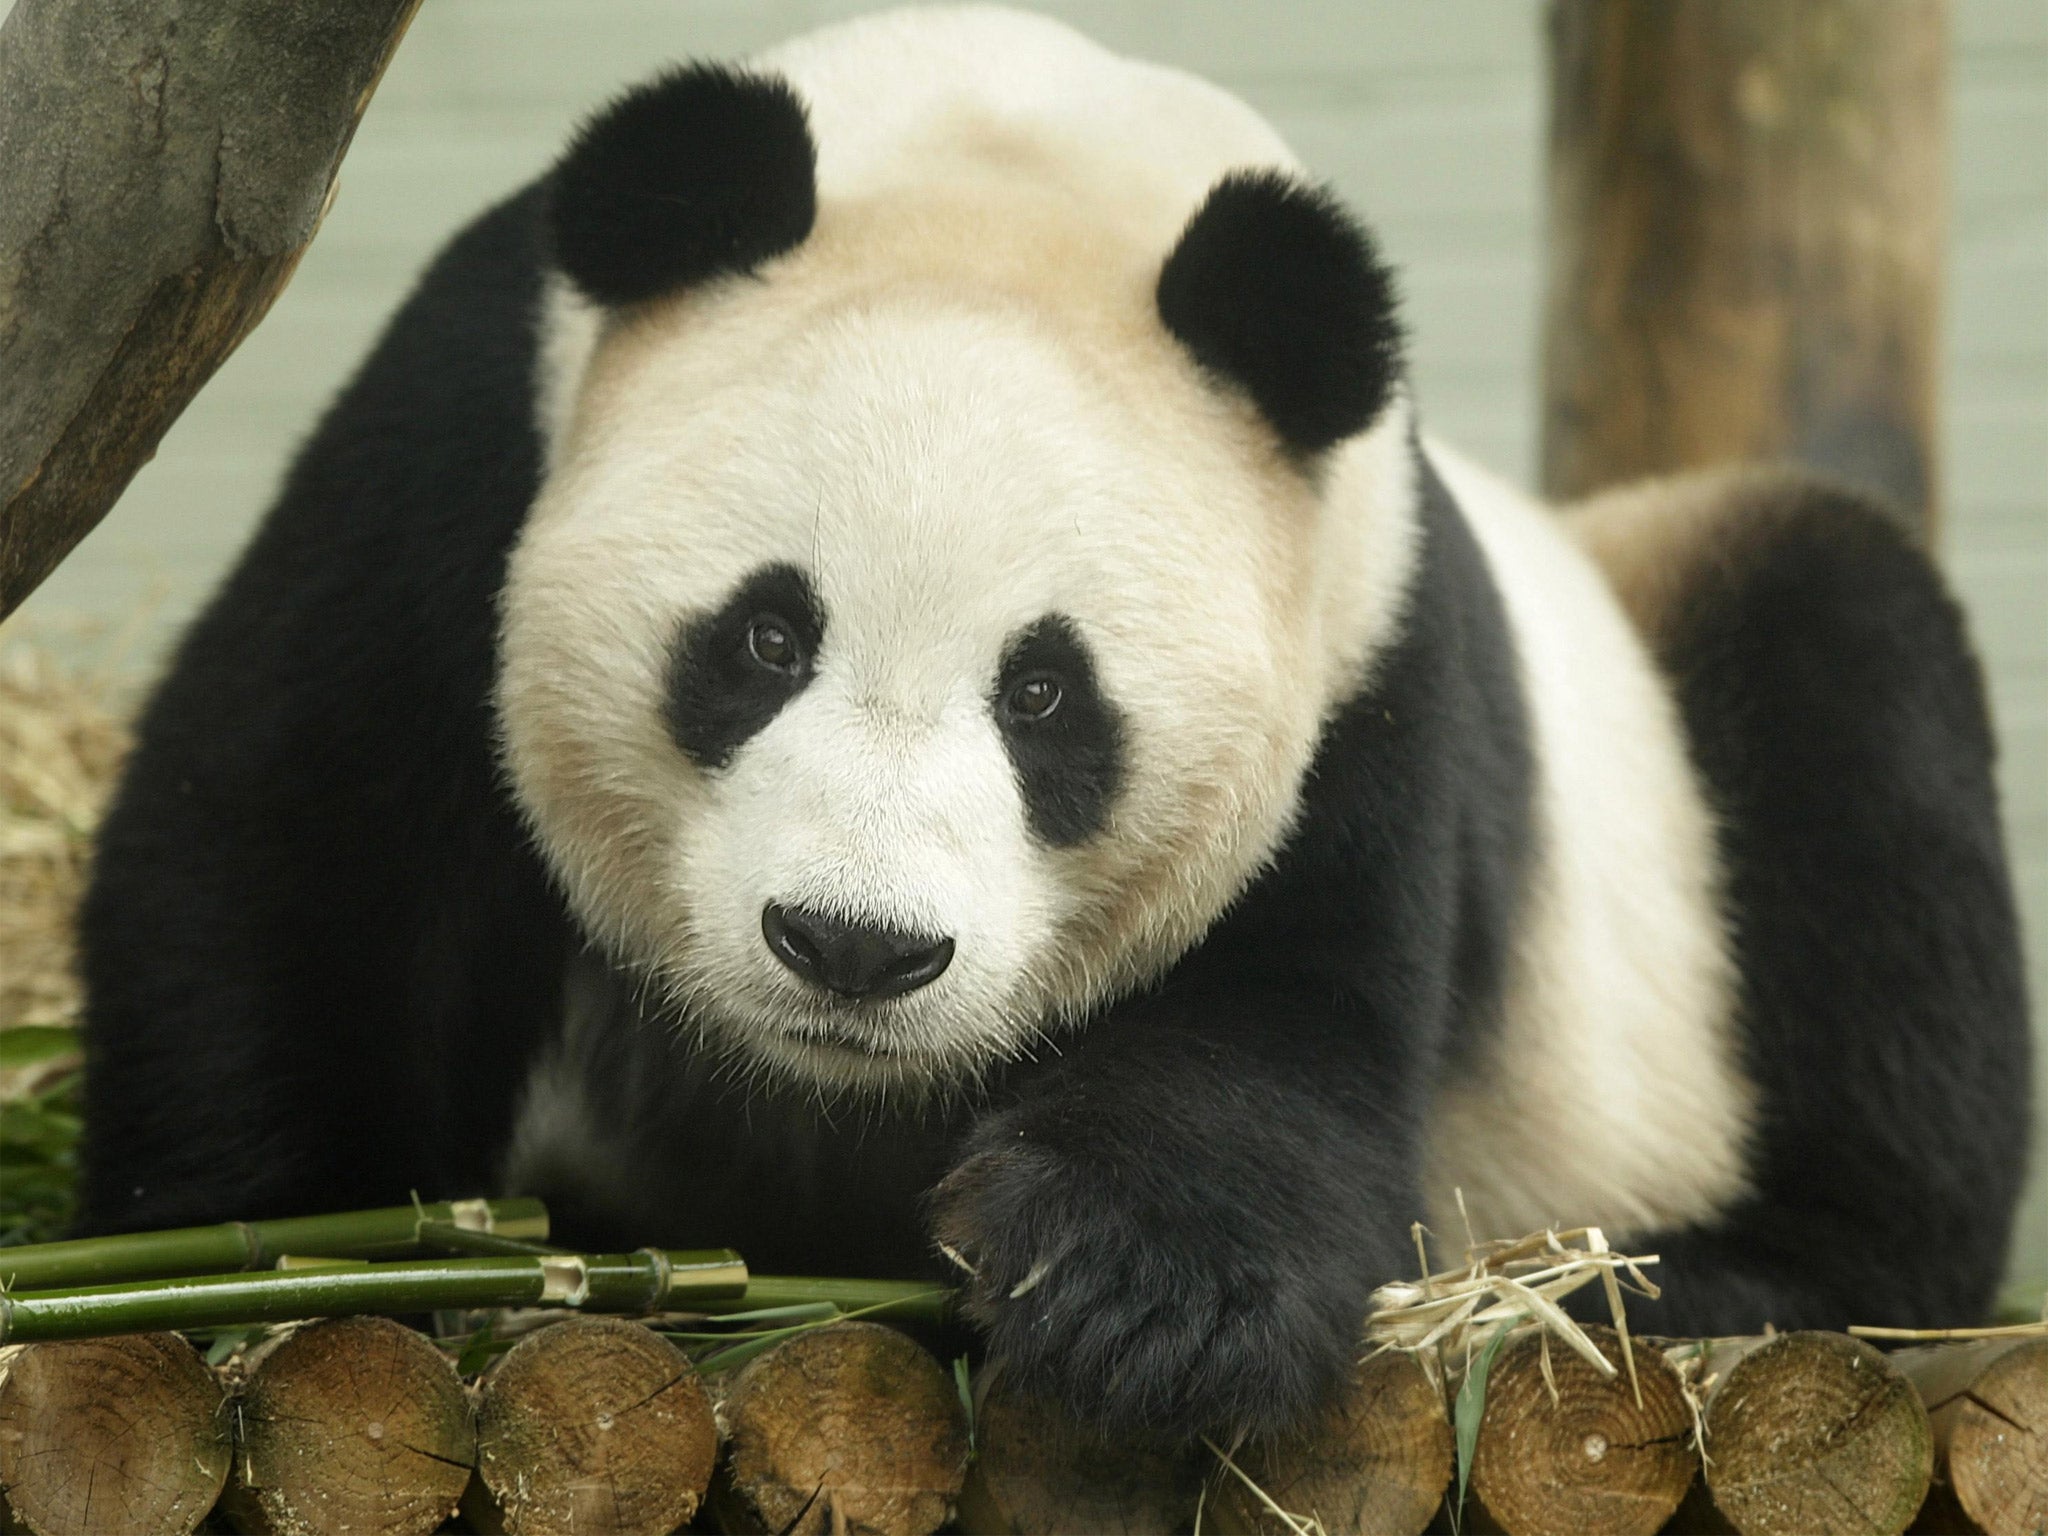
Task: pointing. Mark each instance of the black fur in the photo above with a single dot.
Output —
(701, 173)
(1069, 764)
(1274, 286)
(1838, 717)
(719, 694)
(1217, 1172)
(323, 959)
(317, 946)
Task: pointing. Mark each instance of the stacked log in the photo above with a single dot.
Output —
(1378, 1460)
(850, 1427)
(120, 1434)
(356, 1424)
(601, 1425)
(592, 1424)
(1566, 1449)
(1036, 1471)
(1987, 1403)
(1814, 1434)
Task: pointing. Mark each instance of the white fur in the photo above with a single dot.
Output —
(1614, 1092)
(954, 405)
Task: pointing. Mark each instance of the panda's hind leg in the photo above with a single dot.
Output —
(1837, 718)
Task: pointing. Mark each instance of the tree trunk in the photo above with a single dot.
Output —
(1746, 224)
(162, 169)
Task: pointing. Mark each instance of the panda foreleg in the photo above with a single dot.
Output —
(1177, 1229)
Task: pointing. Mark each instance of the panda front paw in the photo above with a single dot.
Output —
(1137, 1313)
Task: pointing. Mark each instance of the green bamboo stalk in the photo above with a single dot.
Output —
(255, 1245)
(645, 1281)
(903, 1300)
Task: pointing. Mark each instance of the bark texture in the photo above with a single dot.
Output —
(1747, 204)
(163, 166)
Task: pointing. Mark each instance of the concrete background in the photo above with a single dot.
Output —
(1428, 118)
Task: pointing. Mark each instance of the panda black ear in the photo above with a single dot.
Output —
(699, 173)
(1275, 286)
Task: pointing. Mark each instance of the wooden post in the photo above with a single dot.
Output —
(1746, 224)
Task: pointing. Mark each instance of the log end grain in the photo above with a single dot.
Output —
(359, 1424)
(111, 1434)
(1817, 1433)
(1036, 1472)
(1592, 1461)
(1998, 1443)
(1377, 1460)
(591, 1424)
(851, 1428)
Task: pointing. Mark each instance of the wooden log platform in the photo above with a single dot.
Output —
(118, 1434)
(1814, 1434)
(1987, 1403)
(1567, 1450)
(1035, 1474)
(589, 1425)
(356, 1424)
(851, 1427)
(1378, 1461)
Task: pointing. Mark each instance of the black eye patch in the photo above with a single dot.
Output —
(1069, 758)
(720, 690)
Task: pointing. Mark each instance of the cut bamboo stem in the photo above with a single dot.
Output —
(1988, 1407)
(850, 1427)
(591, 1425)
(607, 1282)
(1036, 1473)
(247, 1245)
(119, 1434)
(1568, 1450)
(1377, 1461)
(358, 1424)
(1814, 1434)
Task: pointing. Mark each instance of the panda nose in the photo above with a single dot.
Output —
(858, 960)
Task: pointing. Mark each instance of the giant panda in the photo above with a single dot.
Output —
(878, 669)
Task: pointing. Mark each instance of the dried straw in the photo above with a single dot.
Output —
(62, 735)
(1509, 1286)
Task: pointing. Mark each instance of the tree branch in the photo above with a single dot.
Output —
(162, 169)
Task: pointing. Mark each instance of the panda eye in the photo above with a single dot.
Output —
(1033, 699)
(773, 644)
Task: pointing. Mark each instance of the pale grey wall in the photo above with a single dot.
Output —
(1427, 116)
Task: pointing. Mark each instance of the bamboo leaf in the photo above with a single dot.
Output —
(1470, 1408)
(965, 1386)
(802, 1312)
(28, 1045)
(476, 1354)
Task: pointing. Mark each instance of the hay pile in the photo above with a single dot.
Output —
(62, 734)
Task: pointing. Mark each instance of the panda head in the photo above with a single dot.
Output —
(935, 594)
